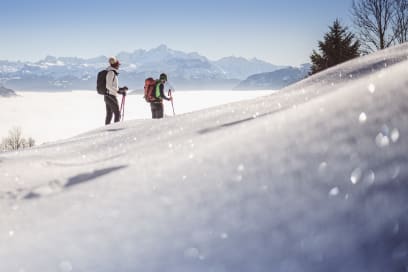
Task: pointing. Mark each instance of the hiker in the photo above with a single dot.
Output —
(157, 105)
(112, 86)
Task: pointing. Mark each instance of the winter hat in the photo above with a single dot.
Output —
(113, 61)
(163, 76)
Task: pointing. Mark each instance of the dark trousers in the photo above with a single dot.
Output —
(112, 107)
(157, 110)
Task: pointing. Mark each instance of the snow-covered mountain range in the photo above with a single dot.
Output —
(185, 70)
(312, 178)
(275, 80)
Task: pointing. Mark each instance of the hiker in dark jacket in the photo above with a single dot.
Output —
(112, 86)
(157, 105)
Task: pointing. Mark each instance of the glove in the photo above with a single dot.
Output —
(123, 90)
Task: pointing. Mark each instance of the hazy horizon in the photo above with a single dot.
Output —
(279, 32)
(145, 49)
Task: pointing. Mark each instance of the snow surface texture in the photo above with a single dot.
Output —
(312, 178)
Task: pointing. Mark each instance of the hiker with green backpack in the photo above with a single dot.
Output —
(107, 85)
(154, 94)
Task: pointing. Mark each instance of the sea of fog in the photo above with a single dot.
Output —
(50, 116)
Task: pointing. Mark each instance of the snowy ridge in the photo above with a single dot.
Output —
(310, 178)
(241, 68)
(274, 80)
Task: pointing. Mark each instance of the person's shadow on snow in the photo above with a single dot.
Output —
(55, 186)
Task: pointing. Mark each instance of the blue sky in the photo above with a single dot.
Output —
(281, 32)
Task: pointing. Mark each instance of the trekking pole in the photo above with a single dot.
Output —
(122, 107)
(171, 100)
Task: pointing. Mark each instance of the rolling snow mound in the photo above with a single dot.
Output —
(310, 178)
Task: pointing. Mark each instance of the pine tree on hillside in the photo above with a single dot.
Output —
(338, 46)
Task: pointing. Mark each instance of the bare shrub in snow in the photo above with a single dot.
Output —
(15, 140)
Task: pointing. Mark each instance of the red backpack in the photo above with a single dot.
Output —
(149, 89)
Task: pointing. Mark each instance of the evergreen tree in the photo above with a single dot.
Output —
(338, 46)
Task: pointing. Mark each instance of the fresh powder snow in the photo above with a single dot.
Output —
(310, 178)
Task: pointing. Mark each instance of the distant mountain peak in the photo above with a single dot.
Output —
(233, 58)
(50, 58)
(4, 92)
(185, 68)
(274, 80)
(162, 47)
(256, 60)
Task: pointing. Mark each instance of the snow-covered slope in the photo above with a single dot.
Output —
(311, 178)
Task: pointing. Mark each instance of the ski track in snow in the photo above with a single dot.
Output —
(311, 178)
